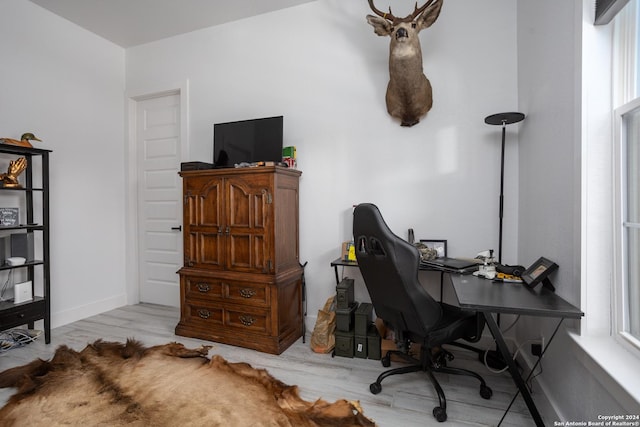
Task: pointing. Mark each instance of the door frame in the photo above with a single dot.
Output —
(131, 255)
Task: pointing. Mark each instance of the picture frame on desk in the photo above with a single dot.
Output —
(539, 272)
(440, 246)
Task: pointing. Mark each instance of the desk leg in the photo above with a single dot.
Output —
(513, 369)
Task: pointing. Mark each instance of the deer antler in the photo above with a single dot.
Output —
(388, 16)
(417, 11)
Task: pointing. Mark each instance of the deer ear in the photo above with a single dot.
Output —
(381, 26)
(429, 16)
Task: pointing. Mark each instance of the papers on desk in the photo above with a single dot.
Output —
(453, 265)
(498, 277)
(507, 278)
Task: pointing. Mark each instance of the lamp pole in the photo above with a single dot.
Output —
(493, 357)
(503, 119)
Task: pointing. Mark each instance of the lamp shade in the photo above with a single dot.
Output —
(504, 118)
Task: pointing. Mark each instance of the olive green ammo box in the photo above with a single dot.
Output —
(363, 318)
(344, 294)
(344, 343)
(360, 346)
(344, 318)
(374, 343)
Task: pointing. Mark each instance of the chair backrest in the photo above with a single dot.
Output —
(389, 267)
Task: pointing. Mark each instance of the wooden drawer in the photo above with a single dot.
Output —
(245, 293)
(203, 287)
(239, 318)
(17, 315)
(239, 292)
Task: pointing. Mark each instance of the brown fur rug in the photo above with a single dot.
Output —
(116, 384)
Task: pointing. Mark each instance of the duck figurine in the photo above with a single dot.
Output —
(24, 140)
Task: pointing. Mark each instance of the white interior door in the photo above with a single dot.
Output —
(159, 195)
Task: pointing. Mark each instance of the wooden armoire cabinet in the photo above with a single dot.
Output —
(241, 282)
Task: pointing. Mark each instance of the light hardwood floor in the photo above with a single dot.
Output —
(406, 400)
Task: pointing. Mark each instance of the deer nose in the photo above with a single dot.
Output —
(402, 32)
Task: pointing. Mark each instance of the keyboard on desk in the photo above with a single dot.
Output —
(454, 265)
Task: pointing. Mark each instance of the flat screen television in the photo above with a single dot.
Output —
(256, 140)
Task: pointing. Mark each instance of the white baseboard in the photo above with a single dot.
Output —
(61, 318)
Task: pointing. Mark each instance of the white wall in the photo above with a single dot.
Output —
(66, 86)
(566, 112)
(323, 68)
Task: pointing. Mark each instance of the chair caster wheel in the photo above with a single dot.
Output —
(485, 392)
(386, 361)
(375, 388)
(440, 414)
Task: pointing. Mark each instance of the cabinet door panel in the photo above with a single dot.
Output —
(203, 202)
(190, 210)
(210, 250)
(249, 217)
(203, 212)
(248, 252)
(210, 204)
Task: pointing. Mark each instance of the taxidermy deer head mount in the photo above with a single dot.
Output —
(409, 94)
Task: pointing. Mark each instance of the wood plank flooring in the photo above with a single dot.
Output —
(406, 400)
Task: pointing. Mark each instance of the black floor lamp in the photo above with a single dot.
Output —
(493, 357)
(503, 119)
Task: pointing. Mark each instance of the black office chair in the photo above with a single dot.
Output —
(389, 267)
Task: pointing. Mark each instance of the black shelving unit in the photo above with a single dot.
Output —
(27, 313)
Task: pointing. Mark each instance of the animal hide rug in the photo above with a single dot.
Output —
(116, 384)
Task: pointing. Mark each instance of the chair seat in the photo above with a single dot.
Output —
(454, 324)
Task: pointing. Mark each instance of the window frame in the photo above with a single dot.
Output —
(620, 287)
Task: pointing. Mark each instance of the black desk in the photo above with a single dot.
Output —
(340, 262)
(488, 297)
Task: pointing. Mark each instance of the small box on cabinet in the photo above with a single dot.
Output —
(289, 156)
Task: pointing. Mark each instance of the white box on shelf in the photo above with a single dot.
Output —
(22, 292)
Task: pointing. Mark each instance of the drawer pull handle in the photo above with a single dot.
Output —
(203, 287)
(204, 313)
(247, 293)
(247, 320)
